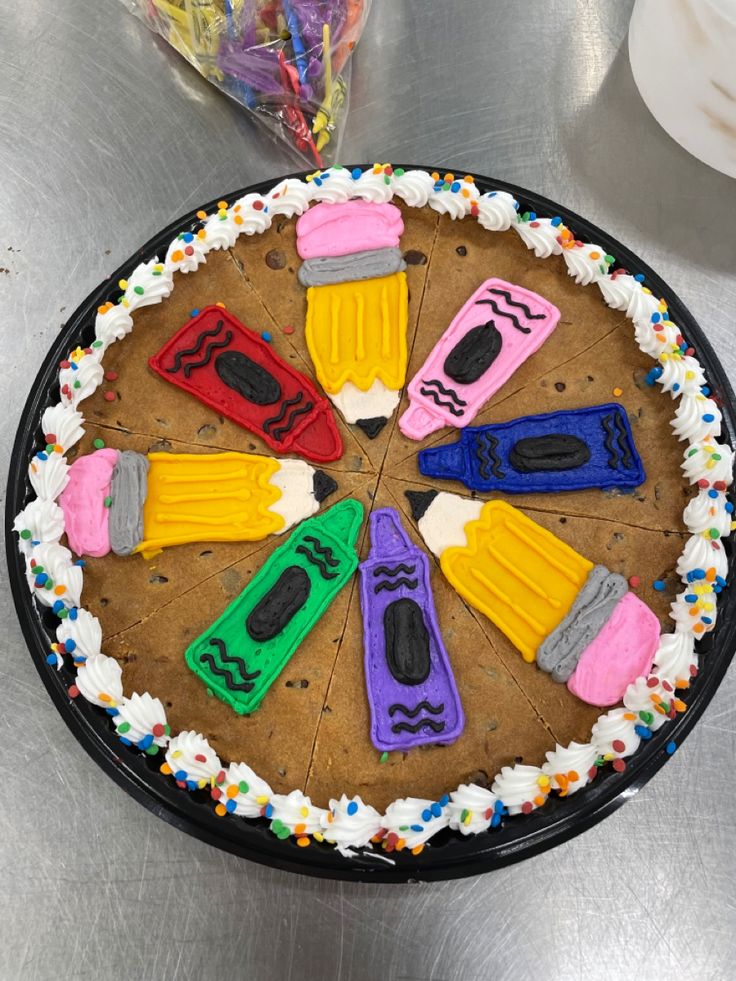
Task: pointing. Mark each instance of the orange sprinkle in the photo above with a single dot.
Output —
(303, 841)
(222, 204)
(299, 829)
(679, 705)
(220, 810)
(539, 800)
(232, 791)
(104, 308)
(166, 769)
(177, 255)
(417, 849)
(629, 716)
(465, 192)
(400, 845)
(710, 574)
(201, 215)
(469, 178)
(618, 391)
(698, 628)
(573, 776)
(595, 255)
(449, 178)
(59, 590)
(103, 697)
(201, 234)
(238, 220)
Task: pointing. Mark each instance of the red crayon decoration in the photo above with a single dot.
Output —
(233, 371)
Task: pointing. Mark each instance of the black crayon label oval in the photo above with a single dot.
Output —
(274, 610)
(474, 354)
(407, 642)
(244, 376)
(556, 451)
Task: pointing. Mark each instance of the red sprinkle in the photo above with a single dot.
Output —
(258, 205)
(527, 807)
(619, 765)
(109, 396)
(64, 364)
(288, 330)
(592, 772)
(693, 671)
(652, 682)
(50, 437)
(634, 581)
(215, 793)
(488, 813)
(200, 758)
(158, 729)
(73, 691)
(189, 250)
(618, 745)
(111, 375)
(719, 485)
(667, 686)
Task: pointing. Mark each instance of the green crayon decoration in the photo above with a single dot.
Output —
(240, 656)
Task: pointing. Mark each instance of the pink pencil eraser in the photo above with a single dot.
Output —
(623, 651)
(343, 229)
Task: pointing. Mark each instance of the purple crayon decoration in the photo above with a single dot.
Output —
(411, 688)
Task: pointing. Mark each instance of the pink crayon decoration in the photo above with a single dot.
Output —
(498, 328)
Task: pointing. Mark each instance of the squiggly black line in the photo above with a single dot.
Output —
(424, 706)
(289, 424)
(207, 356)
(233, 659)
(623, 441)
(509, 316)
(285, 406)
(439, 401)
(515, 303)
(316, 560)
(489, 459)
(391, 586)
(433, 724)
(608, 442)
(324, 550)
(450, 392)
(193, 350)
(233, 685)
(388, 570)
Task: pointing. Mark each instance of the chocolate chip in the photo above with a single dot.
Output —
(415, 258)
(461, 250)
(206, 431)
(158, 580)
(560, 386)
(301, 683)
(275, 259)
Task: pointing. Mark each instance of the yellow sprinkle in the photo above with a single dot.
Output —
(318, 837)
(304, 811)
(618, 391)
(263, 799)
(123, 284)
(177, 754)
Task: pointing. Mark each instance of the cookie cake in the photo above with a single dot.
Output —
(377, 506)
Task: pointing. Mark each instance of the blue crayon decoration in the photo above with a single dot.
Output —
(412, 692)
(556, 451)
(297, 43)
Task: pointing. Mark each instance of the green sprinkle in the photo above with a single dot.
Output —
(138, 290)
(98, 443)
(646, 717)
(107, 502)
(152, 750)
(713, 532)
(243, 787)
(156, 272)
(63, 614)
(463, 815)
(25, 534)
(279, 829)
(386, 179)
(48, 584)
(609, 259)
(124, 727)
(49, 447)
(167, 730)
(445, 186)
(383, 757)
(77, 384)
(96, 343)
(37, 569)
(403, 827)
(399, 172)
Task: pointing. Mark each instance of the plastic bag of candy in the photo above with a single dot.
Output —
(285, 60)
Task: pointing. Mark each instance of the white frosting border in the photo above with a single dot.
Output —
(408, 822)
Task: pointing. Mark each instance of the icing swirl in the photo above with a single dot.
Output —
(40, 521)
(711, 463)
(294, 814)
(696, 418)
(149, 283)
(334, 186)
(373, 185)
(192, 761)
(141, 722)
(586, 263)
(99, 681)
(349, 824)
(694, 611)
(614, 734)
(658, 338)
(64, 423)
(48, 474)
(709, 514)
(410, 822)
(570, 767)
(413, 186)
(676, 659)
(251, 215)
(651, 702)
(701, 555)
(541, 235)
(679, 374)
(289, 198)
(112, 323)
(454, 197)
(187, 252)
(79, 378)
(497, 210)
(81, 635)
(242, 792)
(471, 809)
(53, 577)
(521, 788)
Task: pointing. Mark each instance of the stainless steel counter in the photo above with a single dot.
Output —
(105, 137)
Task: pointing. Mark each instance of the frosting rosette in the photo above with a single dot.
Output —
(192, 761)
(694, 610)
(413, 186)
(40, 521)
(294, 814)
(99, 681)
(472, 809)
(452, 197)
(709, 514)
(696, 418)
(112, 323)
(48, 474)
(251, 215)
(80, 634)
(624, 292)
(710, 463)
(187, 252)
(653, 702)
(586, 262)
(332, 186)
(53, 577)
(350, 824)
(81, 375)
(373, 184)
(541, 235)
(676, 659)
(571, 767)
(242, 792)
(657, 338)
(141, 722)
(289, 198)
(149, 283)
(614, 735)
(521, 788)
(701, 555)
(497, 210)
(410, 822)
(679, 374)
(65, 424)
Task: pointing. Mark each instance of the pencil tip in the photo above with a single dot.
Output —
(372, 427)
(323, 485)
(419, 501)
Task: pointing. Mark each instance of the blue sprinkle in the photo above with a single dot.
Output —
(444, 800)
(708, 417)
(436, 810)
(194, 312)
(495, 820)
(639, 277)
(556, 221)
(356, 174)
(352, 808)
(111, 711)
(146, 741)
(532, 216)
(498, 807)
(41, 578)
(70, 645)
(643, 731)
(671, 747)
(728, 507)
(318, 181)
(269, 810)
(676, 387)
(125, 742)
(265, 211)
(230, 806)
(42, 456)
(192, 785)
(266, 336)
(35, 543)
(79, 660)
(188, 237)
(180, 775)
(51, 658)
(707, 620)
(492, 194)
(516, 205)
(720, 580)
(704, 390)
(426, 814)
(659, 585)
(72, 612)
(324, 175)
(81, 563)
(691, 598)
(683, 347)
(455, 186)
(656, 317)
(416, 827)
(712, 493)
